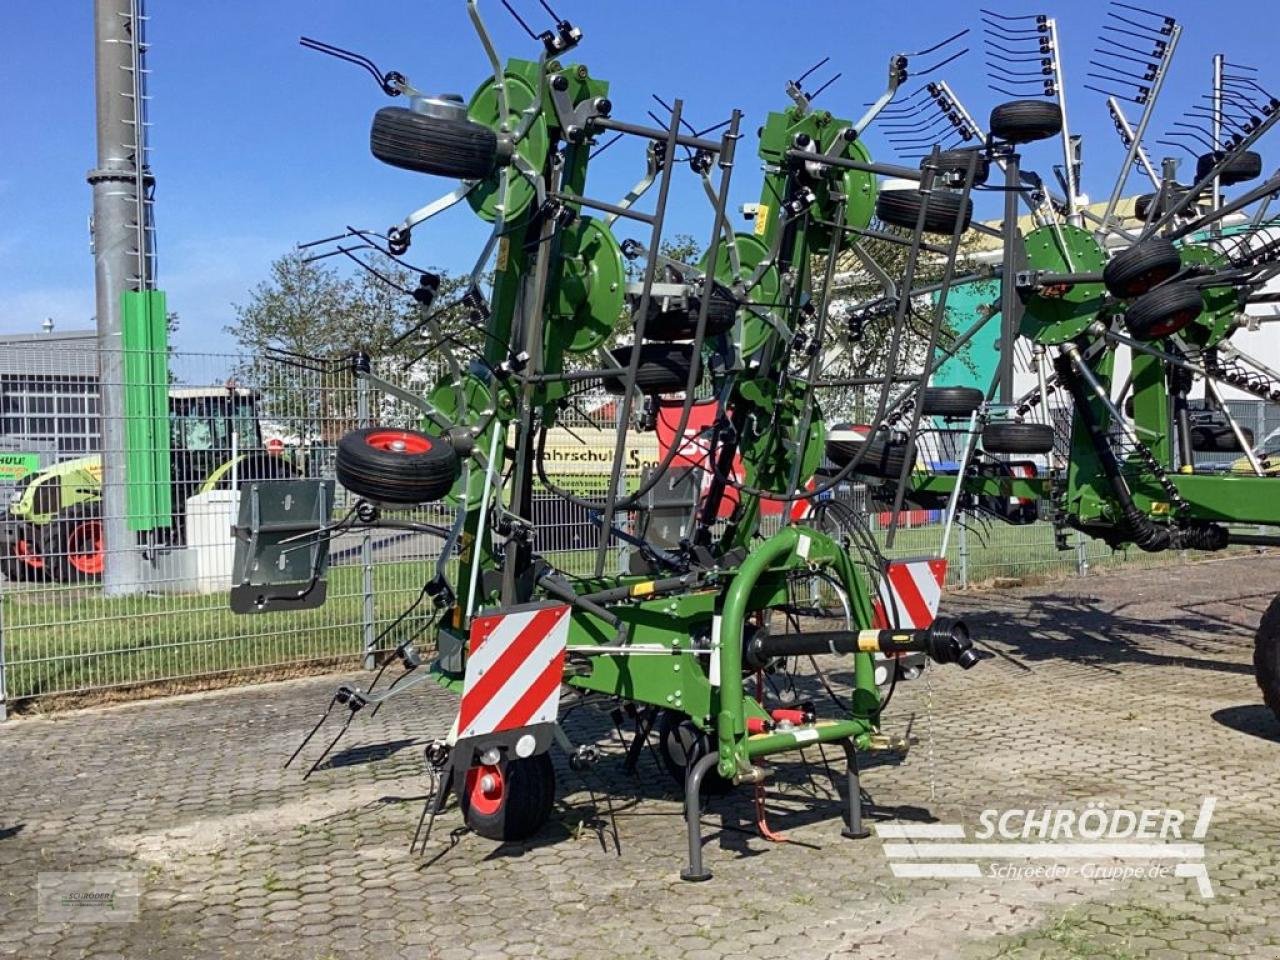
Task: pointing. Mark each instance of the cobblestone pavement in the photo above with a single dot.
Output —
(1129, 689)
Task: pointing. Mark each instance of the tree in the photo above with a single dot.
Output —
(862, 314)
(299, 326)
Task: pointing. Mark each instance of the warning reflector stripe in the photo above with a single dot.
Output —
(547, 685)
(513, 670)
(910, 591)
(910, 603)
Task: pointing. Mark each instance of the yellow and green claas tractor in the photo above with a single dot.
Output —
(52, 528)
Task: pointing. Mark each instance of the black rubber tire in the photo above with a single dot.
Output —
(1241, 168)
(447, 148)
(529, 794)
(885, 458)
(20, 559)
(1135, 270)
(957, 162)
(57, 538)
(667, 325)
(1266, 657)
(901, 208)
(1023, 121)
(1163, 311)
(950, 401)
(664, 368)
(369, 468)
(680, 742)
(1218, 440)
(1142, 206)
(1009, 436)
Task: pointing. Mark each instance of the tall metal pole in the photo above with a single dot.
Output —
(1010, 304)
(120, 242)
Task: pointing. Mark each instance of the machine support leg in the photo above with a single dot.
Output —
(695, 872)
(853, 829)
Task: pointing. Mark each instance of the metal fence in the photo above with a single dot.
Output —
(76, 621)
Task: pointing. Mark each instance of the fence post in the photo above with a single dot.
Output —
(4, 690)
(1082, 559)
(963, 543)
(366, 546)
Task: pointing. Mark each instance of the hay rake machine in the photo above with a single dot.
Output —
(739, 360)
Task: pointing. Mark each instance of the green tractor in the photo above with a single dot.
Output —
(53, 526)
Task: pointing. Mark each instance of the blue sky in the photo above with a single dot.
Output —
(259, 144)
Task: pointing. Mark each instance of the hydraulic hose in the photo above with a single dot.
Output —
(1138, 527)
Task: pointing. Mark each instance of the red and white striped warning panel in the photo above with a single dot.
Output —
(910, 591)
(514, 668)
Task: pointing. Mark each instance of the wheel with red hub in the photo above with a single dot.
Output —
(393, 466)
(20, 560)
(508, 800)
(71, 547)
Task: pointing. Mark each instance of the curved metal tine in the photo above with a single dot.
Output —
(607, 144)
(1123, 76)
(388, 86)
(1181, 146)
(934, 68)
(1144, 61)
(905, 103)
(1028, 37)
(1044, 71)
(814, 96)
(1199, 133)
(1112, 93)
(919, 127)
(1134, 23)
(1017, 56)
(805, 76)
(1028, 45)
(939, 45)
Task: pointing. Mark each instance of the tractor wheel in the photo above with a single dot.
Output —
(71, 546)
(1266, 657)
(1009, 436)
(1241, 168)
(1022, 121)
(664, 368)
(402, 467)
(901, 208)
(722, 313)
(509, 800)
(22, 562)
(1135, 270)
(438, 145)
(951, 401)
(957, 162)
(681, 744)
(1163, 311)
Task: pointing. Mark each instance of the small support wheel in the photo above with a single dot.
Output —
(1023, 121)
(394, 466)
(509, 800)
(1163, 311)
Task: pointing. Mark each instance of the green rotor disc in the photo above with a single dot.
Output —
(591, 289)
(1218, 320)
(1062, 315)
(464, 402)
(860, 189)
(487, 194)
(751, 253)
